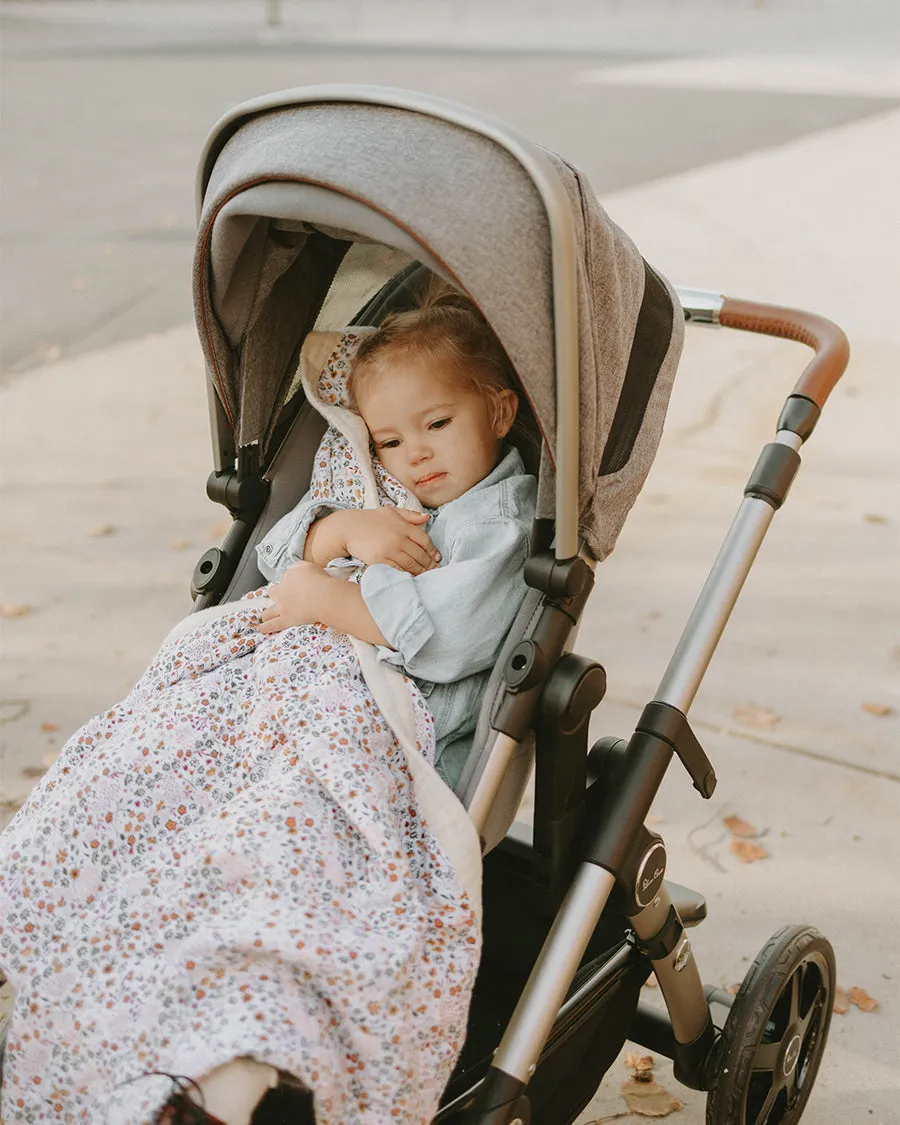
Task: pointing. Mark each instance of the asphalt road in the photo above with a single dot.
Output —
(101, 133)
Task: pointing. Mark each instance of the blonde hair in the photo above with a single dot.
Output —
(446, 328)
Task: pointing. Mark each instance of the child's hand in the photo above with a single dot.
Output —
(298, 599)
(387, 535)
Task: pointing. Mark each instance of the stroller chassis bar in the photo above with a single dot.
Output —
(623, 858)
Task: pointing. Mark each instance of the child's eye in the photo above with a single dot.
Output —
(440, 423)
(391, 443)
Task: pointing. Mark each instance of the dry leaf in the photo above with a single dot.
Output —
(738, 827)
(641, 1066)
(101, 529)
(179, 544)
(841, 1001)
(862, 999)
(31, 772)
(879, 709)
(49, 726)
(874, 517)
(747, 851)
(14, 609)
(752, 715)
(649, 1099)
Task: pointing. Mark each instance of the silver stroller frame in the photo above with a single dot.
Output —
(612, 862)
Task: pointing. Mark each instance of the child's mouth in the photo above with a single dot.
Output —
(432, 478)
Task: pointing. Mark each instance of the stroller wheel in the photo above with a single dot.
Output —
(775, 1033)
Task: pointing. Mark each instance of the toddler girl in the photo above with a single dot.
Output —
(246, 874)
(441, 586)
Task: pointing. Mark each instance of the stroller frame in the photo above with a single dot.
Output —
(591, 854)
(622, 863)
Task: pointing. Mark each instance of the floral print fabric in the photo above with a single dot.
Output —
(233, 861)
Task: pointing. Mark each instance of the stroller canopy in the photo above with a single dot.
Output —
(311, 200)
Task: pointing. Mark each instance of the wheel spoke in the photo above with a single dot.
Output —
(763, 1116)
(766, 1057)
(794, 986)
(814, 1009)
(792, 1087)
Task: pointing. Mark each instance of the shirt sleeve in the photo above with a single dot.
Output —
(285, 542)
(450, 622)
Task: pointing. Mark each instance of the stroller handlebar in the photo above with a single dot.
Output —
(829, 342)
(822, 335)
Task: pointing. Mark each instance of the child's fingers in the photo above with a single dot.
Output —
(271, 621)
(423, 540)
(402, 560)
(418, 554)
(413, 517)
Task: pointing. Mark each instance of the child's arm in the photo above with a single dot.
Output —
(306, 594)
(374, 535)
(448, 623)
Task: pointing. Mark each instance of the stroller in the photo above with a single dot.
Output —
(331, 207)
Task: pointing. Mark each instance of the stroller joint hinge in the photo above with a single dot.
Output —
(695, 1062)
(245, 497)
(501, 1100)
(662, 720)
(665, 939)
(574, 687)
(566, 579)
(534, 657)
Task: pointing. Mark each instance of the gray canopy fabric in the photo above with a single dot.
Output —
(294, 187)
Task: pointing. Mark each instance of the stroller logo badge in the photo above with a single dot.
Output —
(791, 1055)
(650, 874)
(645, 883)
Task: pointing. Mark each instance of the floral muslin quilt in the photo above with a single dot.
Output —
(239, 860)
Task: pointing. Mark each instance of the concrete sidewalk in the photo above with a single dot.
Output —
(639, 27)
(105, 458)
(791, 710)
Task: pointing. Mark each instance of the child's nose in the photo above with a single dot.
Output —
(419, 452)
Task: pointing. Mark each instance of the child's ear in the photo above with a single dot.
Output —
(505, 406)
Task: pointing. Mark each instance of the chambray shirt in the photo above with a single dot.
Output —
(445, 626)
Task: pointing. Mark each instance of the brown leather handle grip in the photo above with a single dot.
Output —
(831, 346)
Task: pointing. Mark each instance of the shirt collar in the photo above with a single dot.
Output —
(509, 465)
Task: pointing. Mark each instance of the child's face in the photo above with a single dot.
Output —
(431, 431)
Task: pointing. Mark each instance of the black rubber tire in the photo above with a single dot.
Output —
(775, 1033)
